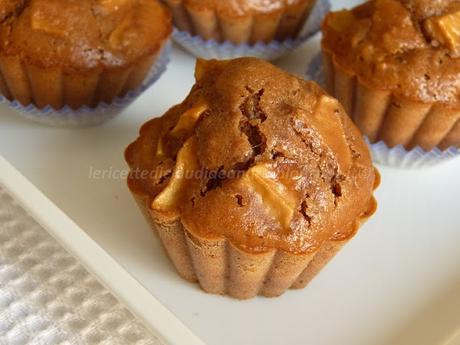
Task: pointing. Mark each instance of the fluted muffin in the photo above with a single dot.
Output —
(253, 182)
(394, 65)
(241, 21)
(78, 52)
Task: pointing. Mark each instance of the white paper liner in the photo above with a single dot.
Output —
(416, 158)
(86, 116)
(397, 156)
(211, 49)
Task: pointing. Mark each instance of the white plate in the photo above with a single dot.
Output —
(161, 321)
(398, 282)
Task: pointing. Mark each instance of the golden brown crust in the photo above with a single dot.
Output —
(9, 8)
(399, 85)
(386, 43)
(297, 186)
(241, 8)
(241, 21)
(278, 160)
(46, 58)
(384, 116)
(117, 33)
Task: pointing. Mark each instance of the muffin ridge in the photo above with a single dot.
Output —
(241, 21)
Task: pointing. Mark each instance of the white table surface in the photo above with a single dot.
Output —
(397, 282)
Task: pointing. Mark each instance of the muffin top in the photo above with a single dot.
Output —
(411, 47)
(82, 34)
(236, 8)
(257, 156)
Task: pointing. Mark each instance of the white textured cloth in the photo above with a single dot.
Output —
(47, 297)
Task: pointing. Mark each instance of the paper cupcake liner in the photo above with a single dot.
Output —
(211, 49)
(87, 116)
(416, 158)
(221, 268)
(397, 130)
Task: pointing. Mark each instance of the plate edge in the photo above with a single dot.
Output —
(162, 322)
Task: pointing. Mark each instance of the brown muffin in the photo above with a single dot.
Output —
(394, 65)
(255, 181)
(78, 52)
(241, 21)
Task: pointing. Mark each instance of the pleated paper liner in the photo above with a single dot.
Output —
(220, 267)
(378, 114)
(211, 49)
(91, 116)
(398, 156)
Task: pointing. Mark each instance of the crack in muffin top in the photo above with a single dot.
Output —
(257, 156)
(82, 34)
(411, 47)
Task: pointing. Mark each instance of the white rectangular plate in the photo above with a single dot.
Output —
(397, 282)
(160, 320)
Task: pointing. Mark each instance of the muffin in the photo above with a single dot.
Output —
(254, 182)
(78, 53)
(394, 65)
(243, 22)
